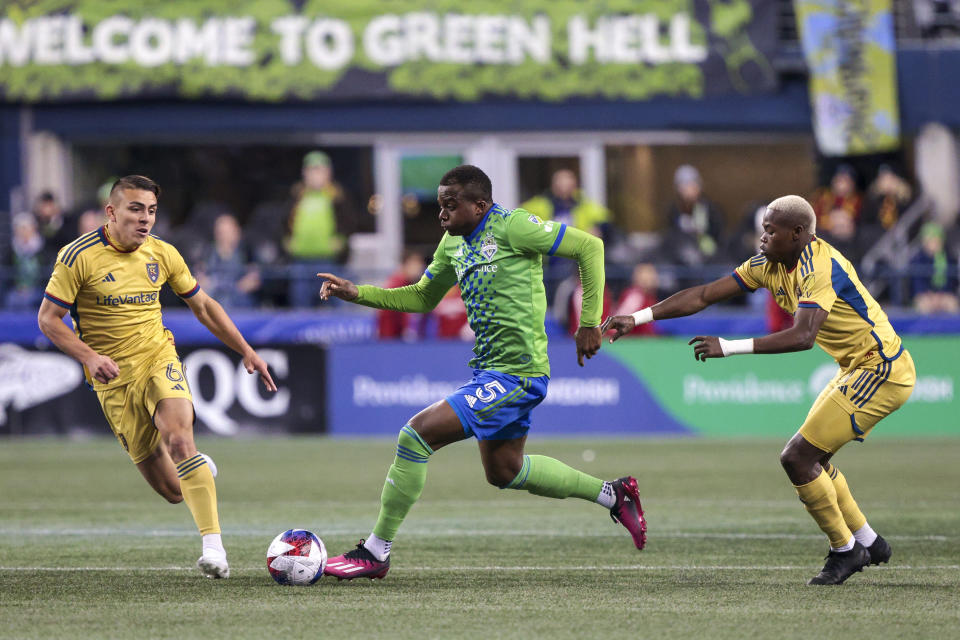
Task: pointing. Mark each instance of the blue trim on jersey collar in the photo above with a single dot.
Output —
(483, 222)
(103, 236)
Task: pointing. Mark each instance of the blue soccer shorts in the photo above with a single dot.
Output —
(497, 406)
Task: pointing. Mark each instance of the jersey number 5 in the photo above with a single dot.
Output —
(489, 391)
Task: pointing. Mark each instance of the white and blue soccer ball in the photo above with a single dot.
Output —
(296, 557)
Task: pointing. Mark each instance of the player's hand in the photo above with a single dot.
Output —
(337, 287)
(102, 368)
(621, 324)
(706, 347)
(253, 362)
(588, 342)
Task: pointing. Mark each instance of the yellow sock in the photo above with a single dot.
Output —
(200, 493)
(820, 499)
(848, 506)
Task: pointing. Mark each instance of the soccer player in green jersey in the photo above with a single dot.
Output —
(495, 255)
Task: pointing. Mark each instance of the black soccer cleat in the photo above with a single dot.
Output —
(841, 565)
(880, 551)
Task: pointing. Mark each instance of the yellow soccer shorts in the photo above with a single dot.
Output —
(129, 409)
(856, 399)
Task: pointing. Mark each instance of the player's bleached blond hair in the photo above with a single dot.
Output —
(797, 212)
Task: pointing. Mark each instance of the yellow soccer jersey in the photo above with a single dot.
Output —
(856, 329)
(114, 298)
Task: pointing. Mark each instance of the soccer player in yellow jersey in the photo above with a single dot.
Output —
(109, 280)
(812, 280)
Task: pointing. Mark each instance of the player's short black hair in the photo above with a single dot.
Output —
(476, 184)
(140, 183)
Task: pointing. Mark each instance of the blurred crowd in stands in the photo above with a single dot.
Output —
(275, 265)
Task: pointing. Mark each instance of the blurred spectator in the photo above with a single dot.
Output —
(228, 272)
(451, 317)
(838, 212)
(937, 18)
(52, 224)
(319, 224)
(27, 264)
(90, 220)
(838, 205)
(565, 203)
(697, 223)
(934, 273)
(395, 325)
(886, 200)
(569, 299)
(641, 293)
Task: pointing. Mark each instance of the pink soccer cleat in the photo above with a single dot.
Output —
(627, 510)
(359, 563)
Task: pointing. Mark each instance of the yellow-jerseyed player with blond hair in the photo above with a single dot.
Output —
(812, 280)
(109, 280)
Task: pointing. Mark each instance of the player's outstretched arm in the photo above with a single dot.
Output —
(421, 297)
(213, 317)
(683, 303)
(800, 337)
(50, 318)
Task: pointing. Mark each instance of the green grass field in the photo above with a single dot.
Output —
(88, 551)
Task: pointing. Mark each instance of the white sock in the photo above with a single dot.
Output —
(212, 542)
(607, 497)
(846, 547)
(865, 535)
(213, 467)
(379, 547)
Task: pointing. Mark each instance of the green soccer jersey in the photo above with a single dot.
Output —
(500, 272)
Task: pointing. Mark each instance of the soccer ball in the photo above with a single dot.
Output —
(296, 557)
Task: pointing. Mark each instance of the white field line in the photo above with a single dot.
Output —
(422, 532)
(520, 568)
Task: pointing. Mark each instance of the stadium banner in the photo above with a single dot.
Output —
(43, 392)
(850, 50)
(770, 395)
(633, 387)
(374, 389)
(345, 49)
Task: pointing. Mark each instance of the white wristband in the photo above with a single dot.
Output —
(643, 316)
(736, 347)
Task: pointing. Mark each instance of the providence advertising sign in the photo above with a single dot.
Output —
(269, 50)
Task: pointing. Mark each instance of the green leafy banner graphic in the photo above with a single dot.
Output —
(272, 50)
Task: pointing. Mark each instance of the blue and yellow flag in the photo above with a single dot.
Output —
(850, 51)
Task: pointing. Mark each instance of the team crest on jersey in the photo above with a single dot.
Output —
(153, 271)
(535, 219)
(489, 246)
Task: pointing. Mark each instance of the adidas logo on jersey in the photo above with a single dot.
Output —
(781, 292)
(109, 278)
(471, 400)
